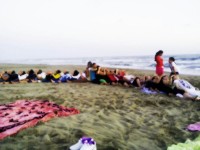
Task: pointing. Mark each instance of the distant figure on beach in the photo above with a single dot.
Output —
(173, 66)
(159, 63)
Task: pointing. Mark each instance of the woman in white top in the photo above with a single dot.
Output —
(173, 66)
(182, 84)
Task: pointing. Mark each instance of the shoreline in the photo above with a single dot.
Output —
(81, 67)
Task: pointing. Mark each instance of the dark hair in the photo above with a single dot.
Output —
(93, 64)
(75, 73)
(161, 80)
(39, 71)
(31, 72)
(13, 72)
(89, 64)
(172, 58)
(98, 67)
(66, 72)
(160, 52)
(23, 72)
(58, 71)
(154, 77)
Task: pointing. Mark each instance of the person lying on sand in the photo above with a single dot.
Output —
(65, 77)
(152, 84)
(78, 77)
(181, 84)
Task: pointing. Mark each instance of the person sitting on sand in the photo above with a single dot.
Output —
(182, 84)
(173, 66)
(48, 77)
(128, 78)
(5, 77)
(10, 77)
(139, 82)
(41, 75)
(32, 77)
(122, 79)
(88, 68)
(93, 72)
(101, 76)
(83, 77)
(78, 77)
(66, 77)
(13, 77)
(56, 76)
(22, 75)
(112, 77)
(152, 84)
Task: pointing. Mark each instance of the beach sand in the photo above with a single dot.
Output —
(117, 117)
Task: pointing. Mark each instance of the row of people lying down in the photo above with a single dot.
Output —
(174, 86)
(40, 76)
(100, 75)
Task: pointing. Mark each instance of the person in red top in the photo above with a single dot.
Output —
(159, 63)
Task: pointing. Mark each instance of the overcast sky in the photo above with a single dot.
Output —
(81, 28)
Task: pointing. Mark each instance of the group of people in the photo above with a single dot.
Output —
(41, 76)
(173, 84)
(170, 85)
(160, 65)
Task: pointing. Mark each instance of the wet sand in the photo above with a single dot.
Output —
(116, 117)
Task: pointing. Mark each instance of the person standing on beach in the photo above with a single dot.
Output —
(173, 66)
(159, 63)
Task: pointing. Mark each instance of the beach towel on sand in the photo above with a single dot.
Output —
(194, 127)
(27, 113)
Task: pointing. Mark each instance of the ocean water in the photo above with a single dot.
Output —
(188, 64)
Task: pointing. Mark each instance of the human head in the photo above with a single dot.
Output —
(159, 53)
(13, 72)
(66, 72)
(89, 64)
(58, 71)
(171, 59)
(39, 71)
(22, 72)
(76, 72)
(5, 76)
(164, 80)
(31, 71)
(155, 79)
